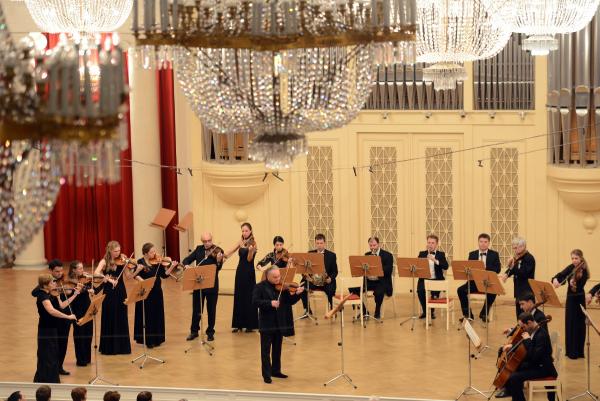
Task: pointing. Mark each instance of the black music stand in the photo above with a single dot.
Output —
(413, 268)
(200, 278)
(366, 266)
(307, 264)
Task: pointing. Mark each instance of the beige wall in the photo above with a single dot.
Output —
(223, 196)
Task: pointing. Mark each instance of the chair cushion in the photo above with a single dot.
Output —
(477, 293)
(438, 300)
(353, 297)
(317, 289)
(549, 378)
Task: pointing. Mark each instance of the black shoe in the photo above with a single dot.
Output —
(279, 375)
(210, 337)
(149, 346)
(484, 318)
(422, 316)
(63, 372)
(377, 316)
(502, 394)
(267, 380)
(235, 330)
(249, 331)
(81, 364)
(432, 315)
(191, 336)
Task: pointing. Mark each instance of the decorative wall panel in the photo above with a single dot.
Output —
(319, 180)
(504, 182)
(438, 200)
(384, 197)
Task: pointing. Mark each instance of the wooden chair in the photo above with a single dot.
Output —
(318, 296)
(393, 297)
(553, 383)
(444, 302)
(344, 283)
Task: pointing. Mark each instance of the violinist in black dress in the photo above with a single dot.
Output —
(575, 276)
(331, 272)
(82, 335)
(521, 267)
(205, 254)
(437, 265)
(149, 266)
(245, 315)
(594, 293)
(114, 329)
(273, 323)
(48, 364)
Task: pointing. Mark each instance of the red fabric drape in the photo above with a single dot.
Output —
(168, 155)
(84, 219)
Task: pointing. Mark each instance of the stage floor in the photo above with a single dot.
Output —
(383, 359)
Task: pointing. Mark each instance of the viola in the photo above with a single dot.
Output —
(290, 287)
(514, 261)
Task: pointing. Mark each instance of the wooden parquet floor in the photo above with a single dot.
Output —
(383, 359)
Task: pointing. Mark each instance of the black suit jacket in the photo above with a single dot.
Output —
(522, 272)
(439, 268)
(492, 262)
(198, 256)
(539, 354)
(387, 262)
(270, 319)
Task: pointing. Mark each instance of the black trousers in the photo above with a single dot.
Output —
(210, 299)
(421, 293)
(463, 292)
(304, 296)
(515, 382)
(270, 353)
(378, 291)
(63, 330)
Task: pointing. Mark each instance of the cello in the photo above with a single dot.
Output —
(510, 359)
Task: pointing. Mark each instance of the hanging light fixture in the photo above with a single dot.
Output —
(275, 69)
(542, 19)
(451, 32)
(77, 16)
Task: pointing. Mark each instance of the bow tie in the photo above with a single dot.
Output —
(483, 254)
(432, 253)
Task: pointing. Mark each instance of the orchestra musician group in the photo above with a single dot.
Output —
(267, 305)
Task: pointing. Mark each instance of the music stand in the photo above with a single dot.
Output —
(589, 323)
(90, 315)
(184, 226)
(161, 221)
(365, 266)
(140, 292)
(308, 263)
(461, 270)
(473, 339)
(413, 268)
(340, 308)
(544, 293)
(487, 282)
(200, 278)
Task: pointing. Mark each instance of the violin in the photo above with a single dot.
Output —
(290, 287)
(514, 261)
(246, 242)
(281, 255)
(510, 360)
(123, 260)
(159, 260)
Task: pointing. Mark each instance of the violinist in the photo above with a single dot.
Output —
(273, 322)
(82, 335)
(61, 302)
(538, 360)
(205, 254)
(151, 264)
(50, 318)
(521, 267)
(575, 276)
(114, 329)
(278, 257)
(245, 316)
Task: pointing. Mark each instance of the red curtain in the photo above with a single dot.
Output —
(84, 219)
(168, 155)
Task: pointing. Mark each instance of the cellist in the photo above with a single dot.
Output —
(538, 361)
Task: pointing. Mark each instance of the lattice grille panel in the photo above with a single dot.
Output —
(438, 201)
(504, 181)
(319, 180)
(384, 198)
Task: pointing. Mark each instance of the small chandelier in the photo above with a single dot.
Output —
(542, 19)
(451, 32)
(77, 16)
(275, 69)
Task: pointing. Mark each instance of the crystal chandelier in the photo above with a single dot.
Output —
(77, 16)
(451, 32)
(542, 19)
(275, 69)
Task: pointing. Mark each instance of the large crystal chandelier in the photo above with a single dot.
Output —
(451, 32)
(542, 19)
(77, 16)
(275, 69)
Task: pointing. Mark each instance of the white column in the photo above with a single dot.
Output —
(145, 147)
(32, 256)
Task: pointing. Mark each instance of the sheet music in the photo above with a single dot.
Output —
(472, 334)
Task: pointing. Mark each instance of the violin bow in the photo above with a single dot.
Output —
(282, 284)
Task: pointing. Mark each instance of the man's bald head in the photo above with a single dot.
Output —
(206, 238)
(273, 275)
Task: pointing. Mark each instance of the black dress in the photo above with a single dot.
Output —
(114, 332)
(155, 308)
(245, 315)
(574, 317)
(47, 345)
(82, 335)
